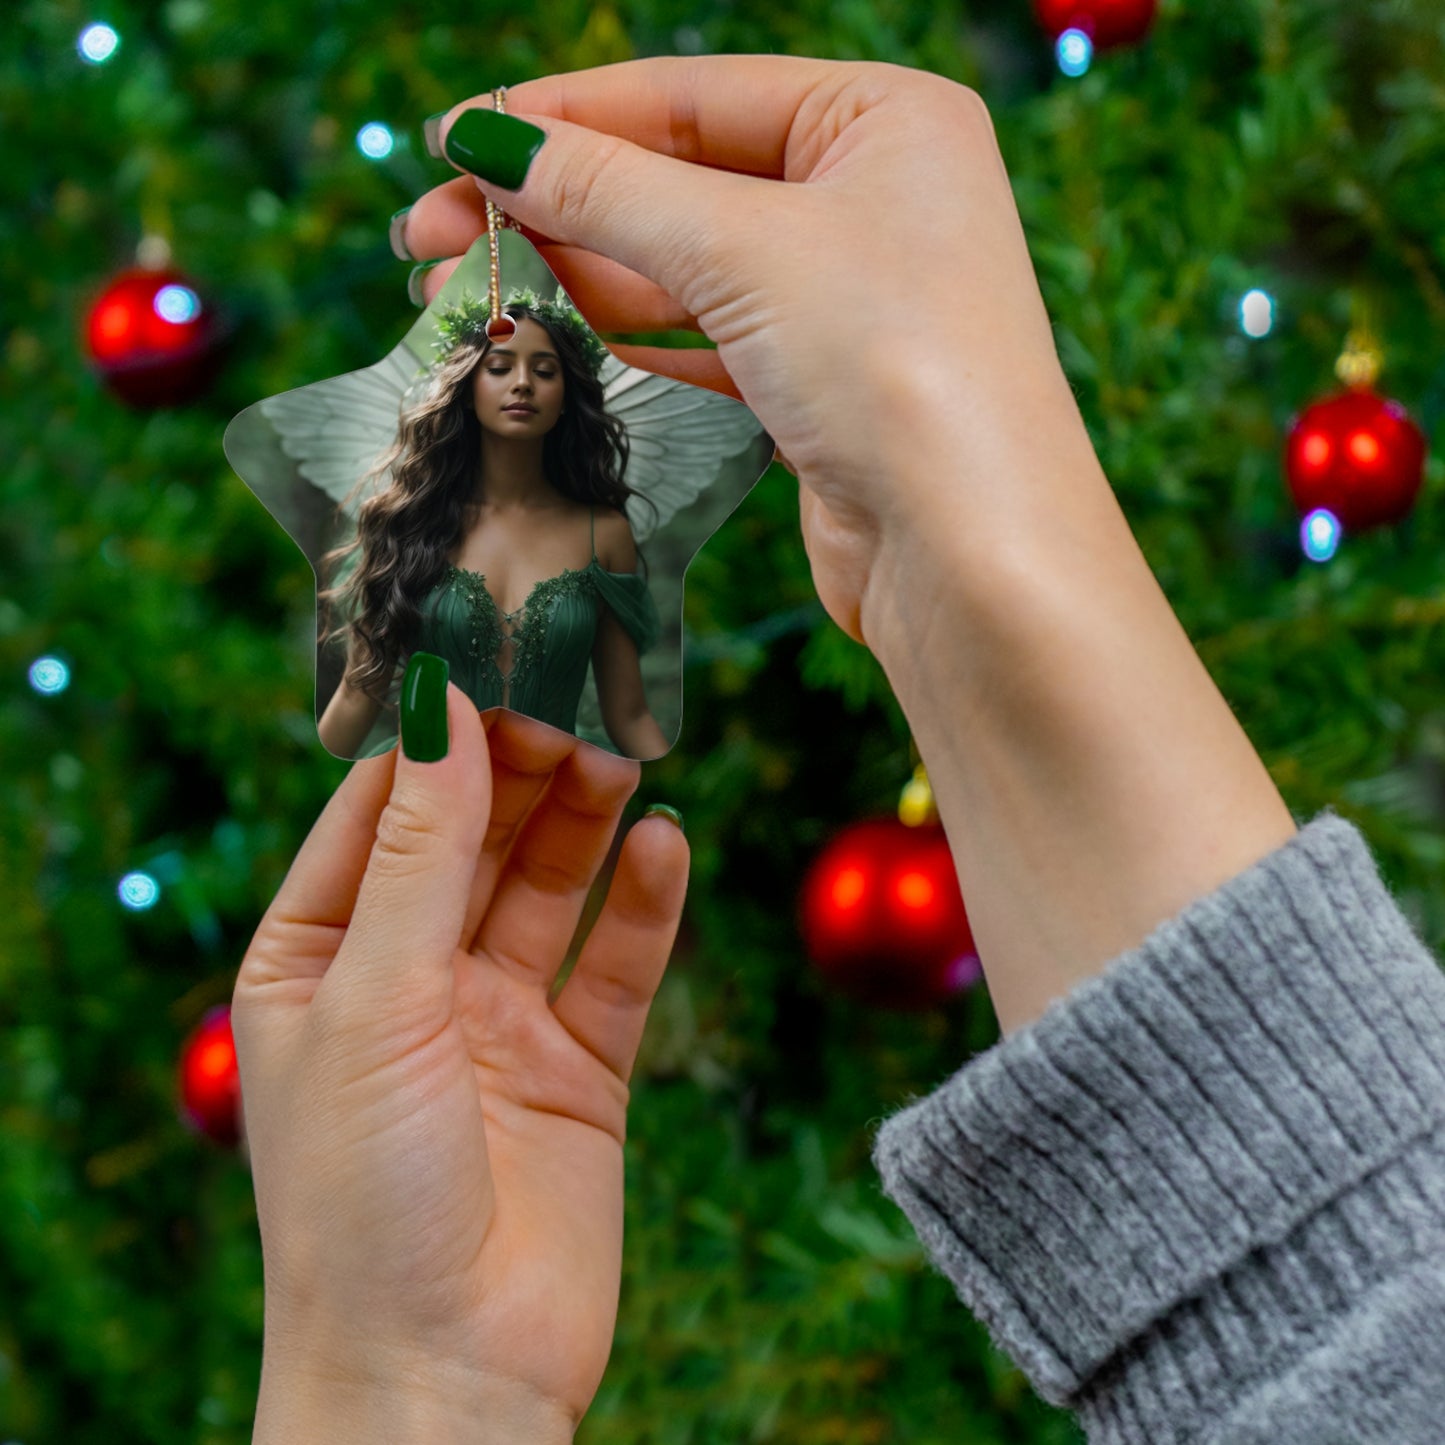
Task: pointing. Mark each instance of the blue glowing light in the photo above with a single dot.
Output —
(1074, 52)
(138, 891)
(1256, 313)
(49, 675)
(97, 43)
(375, 140)
(1319, 535)
(177, 304)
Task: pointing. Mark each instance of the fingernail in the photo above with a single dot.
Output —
(396, 233)
(667, 812)
(431, 133)
(424, 737)
(498, 148)
(669, 340)
(413, 282)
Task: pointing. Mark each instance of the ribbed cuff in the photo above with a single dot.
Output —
(1177, 1176)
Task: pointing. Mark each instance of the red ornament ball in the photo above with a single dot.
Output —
(1107, 23)
(210, 1081)
(153, 339)
(883, 919)
(1358, 456)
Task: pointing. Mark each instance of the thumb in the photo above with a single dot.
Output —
(412, 902)
(663, 218)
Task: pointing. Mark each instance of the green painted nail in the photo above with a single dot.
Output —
(431, 133)
(669, 340)
(498, 148)
(668, 812)
(413, 282)
(396, 234)
(424, 736)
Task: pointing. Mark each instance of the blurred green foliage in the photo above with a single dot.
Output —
(771, 1292)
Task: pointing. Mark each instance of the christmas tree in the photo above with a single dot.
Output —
(1219, 210)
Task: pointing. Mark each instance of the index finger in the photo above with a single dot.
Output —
(323, 880)
(731, 112)
(300, 930)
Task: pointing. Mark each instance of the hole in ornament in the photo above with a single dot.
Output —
(501, 328)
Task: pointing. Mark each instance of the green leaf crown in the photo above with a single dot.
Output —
(466, 320)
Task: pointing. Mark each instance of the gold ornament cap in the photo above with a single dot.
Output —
(1360, 362)
(915, 803)
(1363, 358)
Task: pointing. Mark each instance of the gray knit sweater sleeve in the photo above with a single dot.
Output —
(1201, 1200)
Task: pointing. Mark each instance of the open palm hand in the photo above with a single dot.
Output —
(437, 1145)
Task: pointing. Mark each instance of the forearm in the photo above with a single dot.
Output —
(346, 721)
(637, 736)
(1091, 778)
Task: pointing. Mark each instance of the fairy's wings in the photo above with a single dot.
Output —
(337, 430)
(682, 440)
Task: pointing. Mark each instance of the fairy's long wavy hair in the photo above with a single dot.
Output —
(405, 531)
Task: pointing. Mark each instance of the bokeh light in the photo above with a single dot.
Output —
(849, 887)
(1320, 534)
(49, 675)
(1256, 313)
(97, 44)
(375, 140)
(964, 971)
(914, 889)
(177, 304)
(138, 891)
(1075, 52)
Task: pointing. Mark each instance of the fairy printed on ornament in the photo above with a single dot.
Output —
(500, 490)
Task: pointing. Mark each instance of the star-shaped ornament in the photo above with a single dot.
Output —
(440, 514)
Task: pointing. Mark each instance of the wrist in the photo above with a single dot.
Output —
(404, 1401)
(1090, 776)
(977, 523)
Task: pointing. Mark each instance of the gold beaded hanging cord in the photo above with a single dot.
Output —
(499, 328)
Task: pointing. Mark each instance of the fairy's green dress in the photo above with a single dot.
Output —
(552, 635)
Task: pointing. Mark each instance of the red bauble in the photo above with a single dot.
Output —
(209, 1080)
(1107, 23)
(883, 919)
(1357, 455)
(153, 339)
